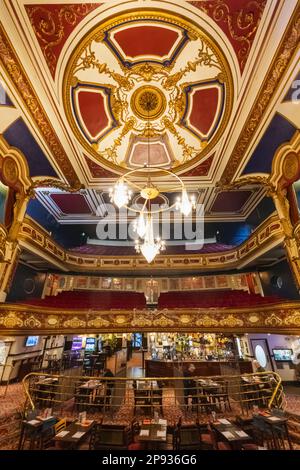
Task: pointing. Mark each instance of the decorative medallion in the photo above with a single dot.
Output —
(231, 321)
(291, 166)
(53, 321)
(11, 320)
(207, 321)
(32, 322)
(74, 323)
(152, 82)
(148, 102)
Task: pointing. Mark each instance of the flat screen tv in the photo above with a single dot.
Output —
(282, 354)
(90, 344)
(76, 344)
(31, 341)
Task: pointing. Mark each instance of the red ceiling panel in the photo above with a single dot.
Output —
(238, 19)
(53, 24)
(92, 110)
(146, 40)
(71, 203)
(230, 201)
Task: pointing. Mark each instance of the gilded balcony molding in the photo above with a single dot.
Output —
(283, 317)
(36, 239)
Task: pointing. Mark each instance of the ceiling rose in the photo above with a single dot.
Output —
(148, 67)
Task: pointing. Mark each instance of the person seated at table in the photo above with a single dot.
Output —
(189, 384)
(258, 367)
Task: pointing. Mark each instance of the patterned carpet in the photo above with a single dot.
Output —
(12, 404)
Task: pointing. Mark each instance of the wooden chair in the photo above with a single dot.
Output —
(186, 437)
(110, 436)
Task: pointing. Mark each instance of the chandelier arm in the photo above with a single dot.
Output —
(158, 211)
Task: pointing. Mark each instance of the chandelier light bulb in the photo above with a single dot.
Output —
(149, 251)
(186, 205)
(120, 194)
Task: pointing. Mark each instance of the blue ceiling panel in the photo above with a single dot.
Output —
(279, 131)
(19, 136)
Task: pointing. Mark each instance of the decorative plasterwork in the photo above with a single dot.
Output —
(282, 317)
(18, 76)
(289, 45)
(268, 234)
(148, 94)
(53, 24)
(239, 21)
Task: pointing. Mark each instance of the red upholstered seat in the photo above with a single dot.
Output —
(217, 298)
(100, 300)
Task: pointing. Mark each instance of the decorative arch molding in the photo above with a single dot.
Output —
(285, 169)
(286, 163)
(14, 171)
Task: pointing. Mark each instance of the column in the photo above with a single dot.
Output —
(291, 244)
(12, 249)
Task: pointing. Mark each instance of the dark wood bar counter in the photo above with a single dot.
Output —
(161, 368)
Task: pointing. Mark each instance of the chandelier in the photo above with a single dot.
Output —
(149, 182)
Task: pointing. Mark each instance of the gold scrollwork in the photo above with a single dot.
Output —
(167, 118)
(11, 320)
(206, 321)
(231, 321)
(98, 323)
(32, 322)
(294, 319)
(273, 320)
(75, 322)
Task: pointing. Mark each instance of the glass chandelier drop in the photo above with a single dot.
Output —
(150, 246)
(149, 190)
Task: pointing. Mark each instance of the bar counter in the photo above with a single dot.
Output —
(164, 368)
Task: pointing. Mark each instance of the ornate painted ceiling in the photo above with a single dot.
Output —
(205, 88)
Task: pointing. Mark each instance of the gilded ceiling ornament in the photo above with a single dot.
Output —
(147, 90)
(54, 183)
(50, 26)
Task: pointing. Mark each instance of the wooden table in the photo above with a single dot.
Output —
(274, 422)
(236, 439)
(70, 440)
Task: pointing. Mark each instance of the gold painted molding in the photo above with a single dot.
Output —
(283, 317)
(285, 53)
(34, 236)
(14, 69)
